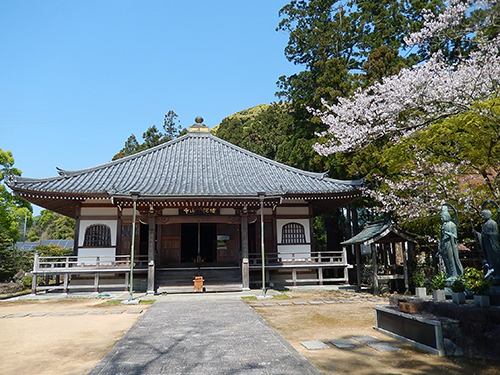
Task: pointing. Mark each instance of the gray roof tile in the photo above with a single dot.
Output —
(194, 165)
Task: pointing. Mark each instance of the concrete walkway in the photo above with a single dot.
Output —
(222, 336)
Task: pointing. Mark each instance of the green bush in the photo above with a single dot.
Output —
(419, 279)
(438, 281)
(458, 286)
(475, 281)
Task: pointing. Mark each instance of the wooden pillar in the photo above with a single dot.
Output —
(375, 270)
(66, 283)
(96, 276)
(35, 269)
(357, 250)
(77, 231)
(405, 266)
(151, 255)
(66, 277)
(126, 281)
(245, 267)
(320, 276)
(294, 276)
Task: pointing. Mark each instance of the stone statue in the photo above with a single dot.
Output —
(489, 242)
(448, 245)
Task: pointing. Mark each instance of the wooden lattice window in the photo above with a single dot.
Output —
(293, 233)
(97, 235)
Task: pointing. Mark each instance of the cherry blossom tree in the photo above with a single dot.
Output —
(436, 124)
(418, 96)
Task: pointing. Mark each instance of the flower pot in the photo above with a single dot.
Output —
(439, 295)
(421, 291)
(481, 300)
(458, 298)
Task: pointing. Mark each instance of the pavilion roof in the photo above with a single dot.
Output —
(379, 232)
(196, 165)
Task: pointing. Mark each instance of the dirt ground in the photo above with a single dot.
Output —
(325, 322)
(64, 344)
(47, 345)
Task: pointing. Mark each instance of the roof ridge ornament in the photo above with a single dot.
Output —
(198, 127)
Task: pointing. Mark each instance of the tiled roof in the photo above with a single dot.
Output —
(379, 231)
(194, 165)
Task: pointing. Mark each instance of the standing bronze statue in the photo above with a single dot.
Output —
(489, 241)
(448, 244)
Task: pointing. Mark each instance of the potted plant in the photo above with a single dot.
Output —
(438, 282)
(419, 281)
(478, 285)
(458, 290)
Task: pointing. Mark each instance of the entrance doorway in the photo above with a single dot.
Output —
(202, 235)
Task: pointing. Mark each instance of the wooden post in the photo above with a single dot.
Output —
(66, 276)
(151, 256)
(35, 269)
(357, 250)
(294, 276)
(126, 281)
(96, 276)
(245, 267)
(375, 270)
(405, 266)
(320, 276)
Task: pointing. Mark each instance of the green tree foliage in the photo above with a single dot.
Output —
(152, 136)
(12, 209)
(51, 225)
(344, 45)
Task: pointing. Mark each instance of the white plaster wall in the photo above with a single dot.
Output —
(112, 224)
(87, 255)
(99, 211)
(292, 210)
(302, 252)
(305, 222)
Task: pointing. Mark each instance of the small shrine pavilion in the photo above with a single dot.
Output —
(196, 205)
(389, 248)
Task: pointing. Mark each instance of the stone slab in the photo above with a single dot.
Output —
(314, 345)
(60, 313)
(299, 303)
(39, 314)
(77, 313)
(134, 311)
(256, 304)
(344, 344)
(365, 339)
(382, 346)
(285, 303)
(99, 312)
(330, 302)
(270, 304)
(17, 315)
(315, 302)
(3, 315)
(116, 311)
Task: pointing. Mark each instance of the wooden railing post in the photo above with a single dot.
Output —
(35, 270)
(96, 276)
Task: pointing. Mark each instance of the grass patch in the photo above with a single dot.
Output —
(281, 296)
(147, 301)
(250, 298)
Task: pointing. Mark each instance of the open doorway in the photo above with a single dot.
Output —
(189, 242)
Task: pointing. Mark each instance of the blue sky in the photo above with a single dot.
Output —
(79, 77)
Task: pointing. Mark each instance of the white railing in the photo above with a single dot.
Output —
(319, 258)
(81, 265)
